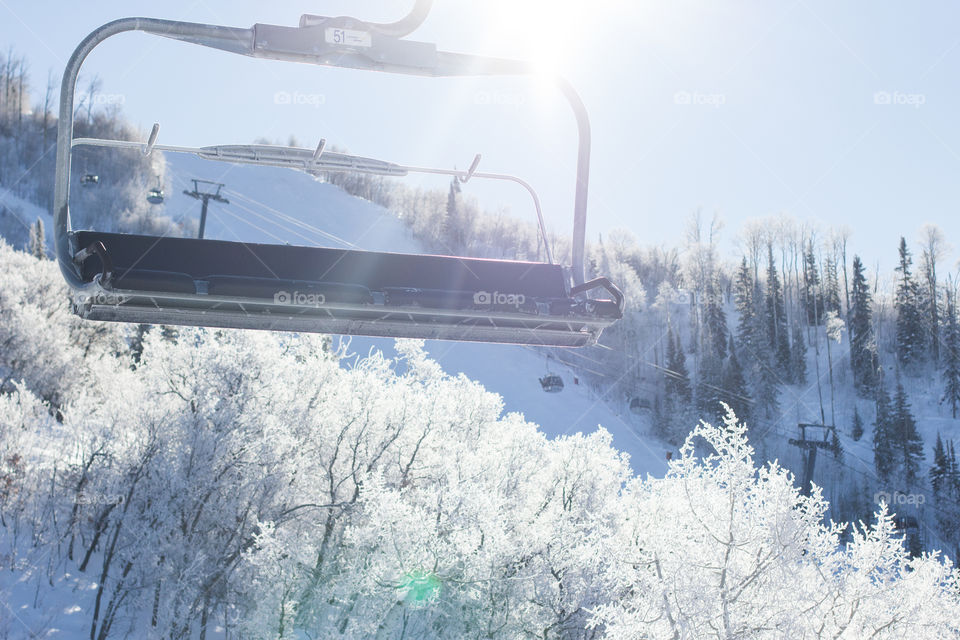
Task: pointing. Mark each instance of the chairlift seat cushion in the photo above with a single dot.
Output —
(249, 269)
(145, 280)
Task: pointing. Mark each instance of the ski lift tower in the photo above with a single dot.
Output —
(206, 197)
(809, 443)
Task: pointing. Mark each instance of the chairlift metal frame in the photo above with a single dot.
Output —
(103, 292)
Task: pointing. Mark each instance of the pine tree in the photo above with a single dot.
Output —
(716, 321)
(863, 355)
(857, 430)
(749, 332)
(945, 479)
(677, 378)
(940, 469)
(812, 297)
(798, 353)
(709, 391)
(734, 385)
(911, 342)
(836, 448)
(908, 441)
(831, 288)
(883, 443)
(950, 355)
(776, 320)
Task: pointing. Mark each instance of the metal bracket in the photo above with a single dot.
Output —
(152, 140)
(471, 170)
(100, 250)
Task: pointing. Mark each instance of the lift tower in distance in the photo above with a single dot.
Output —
(810, 444)
(206, 197)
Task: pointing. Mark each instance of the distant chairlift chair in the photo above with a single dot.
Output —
(551, 383)
(639, 405)
(89, 180)
(155, 195)
(187, 281)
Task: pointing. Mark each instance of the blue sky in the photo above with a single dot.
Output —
(836, 113)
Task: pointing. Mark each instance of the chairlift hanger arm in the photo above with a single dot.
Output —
(339, 42)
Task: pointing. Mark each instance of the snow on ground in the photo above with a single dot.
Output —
(258, 194)
(16, 216)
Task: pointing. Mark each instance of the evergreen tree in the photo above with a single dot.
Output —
(945, 479)
(831, 288)
(908, 441)
(709, 391)
(776, 320)
(857, 431)
(734, 385)
(863, 355)
(910, 330)
(950, 355)
(749, 334)
(716, 321)
(836, 448)
(884, 452)
(677, 378)
(939, 472)
(798, 353)
(812, 297)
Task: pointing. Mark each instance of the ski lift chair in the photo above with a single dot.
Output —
(155, 195)
(185, 281)
(551, 383)
(639, 405)
(89, 179)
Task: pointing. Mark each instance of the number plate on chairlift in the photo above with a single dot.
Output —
(348, 37)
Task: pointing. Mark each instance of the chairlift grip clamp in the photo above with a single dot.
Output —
(106, 274)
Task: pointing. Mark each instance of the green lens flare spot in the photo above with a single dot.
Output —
(419, 587)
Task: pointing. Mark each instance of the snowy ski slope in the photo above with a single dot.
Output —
(284, 206)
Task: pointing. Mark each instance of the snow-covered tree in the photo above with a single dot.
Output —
(863, 352)
(911, 342)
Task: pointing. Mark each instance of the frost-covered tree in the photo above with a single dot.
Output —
(950, 355)
(776, 321)
(733, 578)
(909, 443)
(37, 245)
(863, 352)
(910, 342)
(884, 436)
(856, 429)
(812, 292)
(798, 356)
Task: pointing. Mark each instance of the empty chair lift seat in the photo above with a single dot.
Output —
(219, 283)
